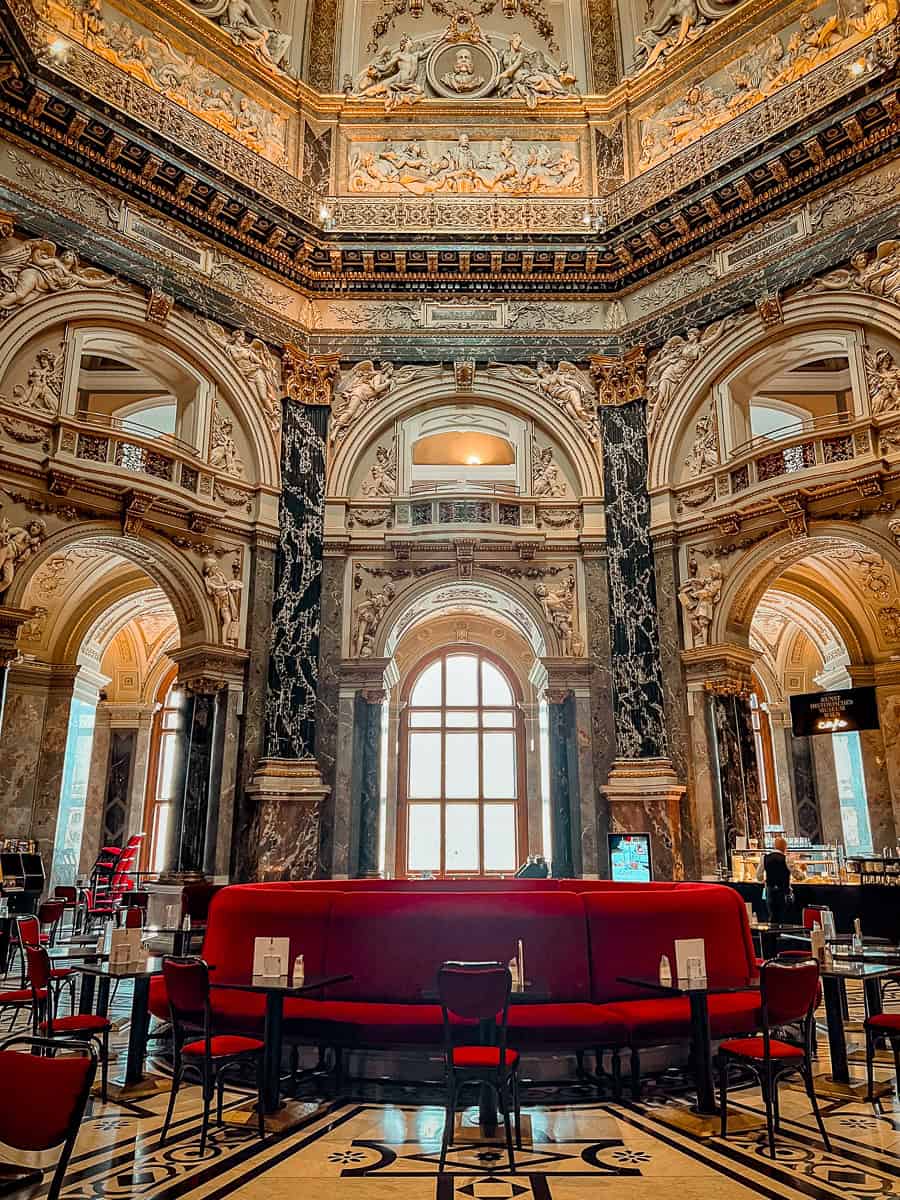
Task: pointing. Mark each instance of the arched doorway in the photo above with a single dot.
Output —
(462, 804)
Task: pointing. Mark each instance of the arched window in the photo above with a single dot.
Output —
(462, 809)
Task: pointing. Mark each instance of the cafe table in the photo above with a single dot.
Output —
(133, 1083)
(769, 933)
(705, 1113)
(870, 969)
(276, 990)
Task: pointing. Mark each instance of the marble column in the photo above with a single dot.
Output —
(573, 805)
(117, 780)
(328, 721)
(806, 802)
(356, 794)
(32, 749)
(878, 789)
(724, 780)
(603, 722)
(782, 757)
(288, 783)
(643, 791)
(827, 789)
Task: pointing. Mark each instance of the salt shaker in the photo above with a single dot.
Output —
(299, 972)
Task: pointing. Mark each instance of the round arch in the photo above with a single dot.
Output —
(182, 585)
(181, 336)
(441, 389)
(825, 312)
(757, 570)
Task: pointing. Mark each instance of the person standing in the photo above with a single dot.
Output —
(775, 871)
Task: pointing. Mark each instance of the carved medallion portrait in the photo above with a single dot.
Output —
(465, 70)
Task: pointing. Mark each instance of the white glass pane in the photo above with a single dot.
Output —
(427, 691)
(498, 720)
(499, 765)
(461, 782)
(461, 837)
(161, 815)
(424, 765)
(499, 837)
(167, 748)
(462, 720)
(423, 837)
(425, 720)
(462, 679)
(494, 688)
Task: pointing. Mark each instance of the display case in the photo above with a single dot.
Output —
(819, 863)
(874, 869)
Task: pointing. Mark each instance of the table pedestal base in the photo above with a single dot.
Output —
(699, 1124)
(836, 1089)
(291, 1114)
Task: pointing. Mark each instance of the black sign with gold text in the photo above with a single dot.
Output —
(834, 712)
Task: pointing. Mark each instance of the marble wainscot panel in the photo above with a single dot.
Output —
(153, 58)
(467, 164)
(288, 782)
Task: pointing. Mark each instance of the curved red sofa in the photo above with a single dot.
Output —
(580, 938)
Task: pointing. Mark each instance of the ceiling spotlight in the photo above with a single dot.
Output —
(325, 217)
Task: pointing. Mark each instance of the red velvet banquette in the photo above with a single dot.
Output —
(580, 937)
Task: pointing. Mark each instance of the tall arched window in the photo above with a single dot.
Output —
(462, 809)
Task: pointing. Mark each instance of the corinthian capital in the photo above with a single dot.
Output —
(620, 379)
(309, 378)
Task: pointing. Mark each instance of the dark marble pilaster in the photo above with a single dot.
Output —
(366, 787)
(738, 773)
(119, 772)
(328, 701)
(195, 783)
(806, 802)
(603, 722)
(564, 785)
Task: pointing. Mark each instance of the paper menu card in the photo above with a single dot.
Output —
(270, 956)
(125, 948)
(687, 949)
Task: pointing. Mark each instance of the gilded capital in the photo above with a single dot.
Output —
(309, 378)
(619, 380)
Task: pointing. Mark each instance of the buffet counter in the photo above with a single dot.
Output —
(877, 905)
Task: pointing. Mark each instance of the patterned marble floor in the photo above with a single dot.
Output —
(382, 1145)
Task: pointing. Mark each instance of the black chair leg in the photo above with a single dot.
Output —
(517, 1108)
(870, 1066)
(104, 1067)
(616, 1067)
(776, 1109)
(176, 1082)
(449, 1119)
(635, 1074)
(503, 1096)
(207, 1102)
(723, 1098)
(220, 1096)
(770, 1116)
(811, 1092)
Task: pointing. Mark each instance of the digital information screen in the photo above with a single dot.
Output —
(629, 857)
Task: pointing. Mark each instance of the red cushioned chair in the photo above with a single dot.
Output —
(788, 992)
(31, 936)
(42, 1104)
(883, 1025)
(68, 897)
(479, 992)
(80, 1027)
(210, 1054)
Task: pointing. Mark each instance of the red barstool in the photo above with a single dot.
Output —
(788, 992)
(479, 992)
(210, 1054)
(80, 1027)
(42, 1104)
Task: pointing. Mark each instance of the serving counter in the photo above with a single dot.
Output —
(876, 904)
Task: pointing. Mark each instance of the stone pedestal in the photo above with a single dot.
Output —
(644, 796)
(289, 793)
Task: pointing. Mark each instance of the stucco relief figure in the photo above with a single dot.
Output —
(679, 23)
(17, 544)
(361, 386)
(878, 274)
(35, 268)
(883, 377)
(463, 78)
(226, 597)
(528, 75)
(223, 455)
(705, 448)
(255, 361)
(669, 366)
(558, 605)
(393, 75)
(546, 477)
(699, 595)
(43, 383)
(244, 27)
(381, 478)
(368, 617)
(567, 387)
